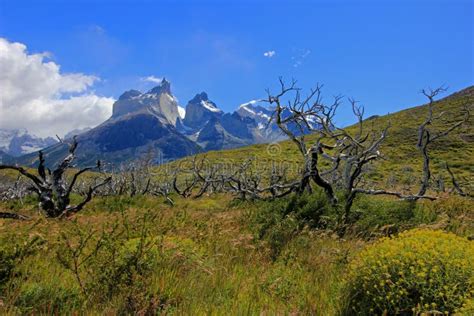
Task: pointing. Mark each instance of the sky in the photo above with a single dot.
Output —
(63, 63)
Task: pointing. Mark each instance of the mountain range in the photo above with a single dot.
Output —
(154, 123)
(17, 142)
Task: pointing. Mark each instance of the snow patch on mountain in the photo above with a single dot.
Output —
(17, 142)
(181, 112)
(210, 106)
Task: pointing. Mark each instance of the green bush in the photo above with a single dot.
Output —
(277, 222)
(47, 298)
(12, 253)
(114, 265)
(374, 213)
(419, 271)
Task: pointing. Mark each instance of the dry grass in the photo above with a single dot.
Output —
(207, 260)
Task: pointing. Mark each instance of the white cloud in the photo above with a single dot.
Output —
(152, 79)
(35, 95)
(269, 54)
(302, 54)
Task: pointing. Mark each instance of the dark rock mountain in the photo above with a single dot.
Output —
(140, 123)
(229, 131)
(153, 121)
(261, 115)
(76, 132)
(200, 110)
(5, 158)
(213, 129)
(214, 137)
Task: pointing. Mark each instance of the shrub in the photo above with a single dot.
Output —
(115, 265)
(419, 271)
(277, 222)
(37, 298)
(374, 213)
(12, 252)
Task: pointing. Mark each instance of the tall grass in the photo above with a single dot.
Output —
(207, 256)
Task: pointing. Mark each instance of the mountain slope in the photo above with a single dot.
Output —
(402, 161)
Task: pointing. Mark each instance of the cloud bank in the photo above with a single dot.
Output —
(35, 95)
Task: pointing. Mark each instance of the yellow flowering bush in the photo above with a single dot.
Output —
(417, 272)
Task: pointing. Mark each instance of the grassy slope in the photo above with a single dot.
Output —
(403, 161)
(209, 261)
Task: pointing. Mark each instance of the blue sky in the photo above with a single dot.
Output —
(379, 52)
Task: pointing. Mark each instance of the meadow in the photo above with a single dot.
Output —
(211, 256)
(217, 253)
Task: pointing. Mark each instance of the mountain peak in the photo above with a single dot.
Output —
(130, 94)
(199, 110)
(202, 100)
(199, 97)
(164, 87)
(17, 142)
(158, 101)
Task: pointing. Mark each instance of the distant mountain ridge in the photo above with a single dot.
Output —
(154, 122)
(17, 142)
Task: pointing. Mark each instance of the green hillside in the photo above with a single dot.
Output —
(127, 255)
(402, 163)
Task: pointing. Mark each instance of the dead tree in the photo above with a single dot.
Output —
(455, 183)
(310, 114)
(52, 188)
(13, 216)
(162, 186)
(14, 191)
(347, 154)
(426, 136)
(197, 177)
(164, 190)
(302, 113)
(256, 185)
(188, 184)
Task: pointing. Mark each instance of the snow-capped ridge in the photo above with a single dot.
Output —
(210, 106)
(17, 142)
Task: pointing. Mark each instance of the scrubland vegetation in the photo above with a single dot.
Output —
(218, 256)
(371, 223)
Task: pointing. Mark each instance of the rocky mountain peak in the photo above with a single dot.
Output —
(158, 101)
(200, 110)
(163, 87)
(17, 142)
(130, 94)
(199, 97)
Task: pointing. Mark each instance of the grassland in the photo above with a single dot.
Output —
(200, 257)
(219, 256)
